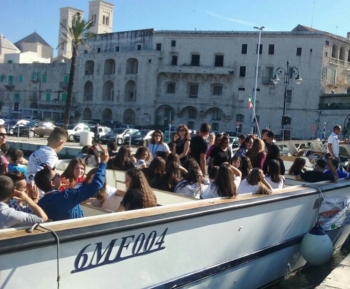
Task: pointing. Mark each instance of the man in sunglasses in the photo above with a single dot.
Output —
(3, 160)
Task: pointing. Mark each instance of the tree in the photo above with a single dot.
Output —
(77, 34)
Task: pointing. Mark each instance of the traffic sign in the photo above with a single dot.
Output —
(313, 128)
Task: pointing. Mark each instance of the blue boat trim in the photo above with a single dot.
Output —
(219, 268)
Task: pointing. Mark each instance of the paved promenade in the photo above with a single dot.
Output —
(339, 278)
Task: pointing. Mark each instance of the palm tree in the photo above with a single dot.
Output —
(77, 34)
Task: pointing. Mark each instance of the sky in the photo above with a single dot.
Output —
(19, 18)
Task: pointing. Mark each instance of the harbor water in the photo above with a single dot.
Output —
(311, 277)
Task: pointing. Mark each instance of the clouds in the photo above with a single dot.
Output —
(238, 21)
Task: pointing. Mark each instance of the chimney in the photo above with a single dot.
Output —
(348, 36)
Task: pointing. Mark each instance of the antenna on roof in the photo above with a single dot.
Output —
(312, 18)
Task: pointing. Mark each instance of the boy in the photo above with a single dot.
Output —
(9, 217)
(15, 157)
(63, 205)
(45, 156)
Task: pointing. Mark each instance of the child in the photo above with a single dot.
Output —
(274, 177)
(297, 167)
(9, 217)
(142, 156)
(15, 157)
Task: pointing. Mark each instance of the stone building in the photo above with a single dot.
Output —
(149, 77)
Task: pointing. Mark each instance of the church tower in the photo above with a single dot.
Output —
(66, 16)
(101, 15)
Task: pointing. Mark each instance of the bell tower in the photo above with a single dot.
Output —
(101, 15)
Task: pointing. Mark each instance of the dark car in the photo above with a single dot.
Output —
(42, 129)
(120, 135)
(25, 130)
(12, 124)
(142, 137)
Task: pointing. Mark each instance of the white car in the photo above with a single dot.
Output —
(103, 130)
(74, 128)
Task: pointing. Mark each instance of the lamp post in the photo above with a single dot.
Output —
(288, 73)
(256, 76)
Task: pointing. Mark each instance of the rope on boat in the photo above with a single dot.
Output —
(320, 194)
(36, 225)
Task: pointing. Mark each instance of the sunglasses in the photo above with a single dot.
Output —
(57, 175)
(3, 134)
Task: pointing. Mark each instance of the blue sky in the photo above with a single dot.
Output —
(19, 18)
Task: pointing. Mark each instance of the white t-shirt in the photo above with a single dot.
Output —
(245, 188)
(190, 190)
(212, 190)
(275, 185)
(334, 141)
(159, 147)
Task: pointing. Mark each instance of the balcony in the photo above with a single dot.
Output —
(35, 79)
(195, 69)
(10, 85)
(64, 85)
(334, 106)
(339, 62)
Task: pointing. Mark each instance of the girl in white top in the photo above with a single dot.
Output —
(226, 182)
(143, 157)
(192, 185)
(255, 183)
(274, 177)
(157, 144)
(107, 198)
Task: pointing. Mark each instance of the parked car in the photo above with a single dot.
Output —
(25, 130)
(74, 128)
(103, 130)
(32, 118)
(142, 137)
(12, 124)
(42, 129)
(123, 125)
(110, 123)
(91, 122)
(119, 135)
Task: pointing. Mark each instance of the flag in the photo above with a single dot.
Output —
(250, 103)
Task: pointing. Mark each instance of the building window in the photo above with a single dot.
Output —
(216, 114)
(260, 50)
(107, 20)
(298, 51)
(85, 51)
(217, 89)
(117, 48)
(138, 47)
(149, 60)
(240, 117)
(242, 70)
(327, 42)
(271, 49)
(159, 46)
(43, 78)
(219, 60)
(20, 78)
(9, 61)
(66, 78)
(193, 90)
(2, 78)
(174, 60)
(192, 113)
(104, 20)
(170, 87)
(98, 50)
(173, 43)
(289, 96)
(244, 48)
(348, 79)
(214, 126)
(190, 124)
(195, 60)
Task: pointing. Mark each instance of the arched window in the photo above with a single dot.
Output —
(129, 116)
(131, 66)
(108, 91)
(88, 90)
(87, 113)
(109, 66)
(89, 67)
(334, 51)
(107, 114)
(130, 91)
(107, 20)
(104, 20)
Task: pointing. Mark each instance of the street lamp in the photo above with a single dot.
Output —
(288, 73)
(256, 76)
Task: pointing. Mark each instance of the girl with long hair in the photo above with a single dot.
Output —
(274, 177)
(182, 146)
(236, 162)
(155, 170)
(123, 160)
(157, 144)
(92, 157)
(170, 179)
(107, 198)
(297, 167)
(255, 183)
(172, 143)
(221, 153)
(274, 154)
(225, 184)
(73, 174)
(245, 146)
(142, 156)
(257, 154)
(192, 184)
(138, 192)
(246, 167)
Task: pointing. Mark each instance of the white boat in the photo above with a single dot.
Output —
(247, 242)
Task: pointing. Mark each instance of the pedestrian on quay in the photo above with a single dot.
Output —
(333, 142)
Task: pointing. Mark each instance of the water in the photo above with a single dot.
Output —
(311, 277)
